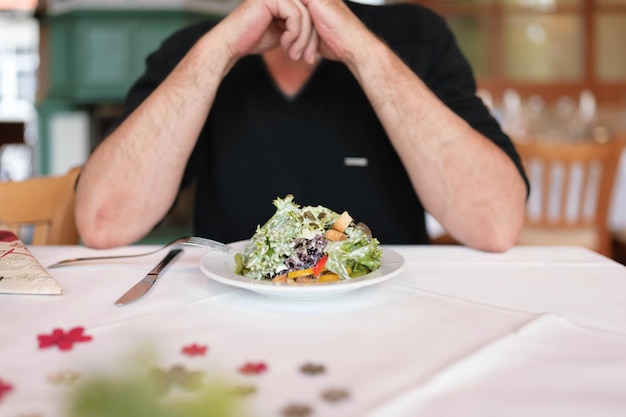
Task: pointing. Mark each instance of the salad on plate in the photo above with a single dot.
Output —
(308, 244)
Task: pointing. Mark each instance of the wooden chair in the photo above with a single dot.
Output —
(40, 210)
(571, 189)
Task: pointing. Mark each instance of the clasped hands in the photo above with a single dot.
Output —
(305, 29)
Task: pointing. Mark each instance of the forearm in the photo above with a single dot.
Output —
(132, 178)
(463, 179)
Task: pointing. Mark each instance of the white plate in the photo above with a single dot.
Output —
(220, 268)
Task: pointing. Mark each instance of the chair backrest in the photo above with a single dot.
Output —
(571, 190)
(40, 210)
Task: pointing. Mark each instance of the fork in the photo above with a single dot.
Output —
(188, 240)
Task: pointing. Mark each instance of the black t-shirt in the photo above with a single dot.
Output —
(325, 145)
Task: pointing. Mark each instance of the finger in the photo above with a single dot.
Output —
(298, 27)
(310, 52)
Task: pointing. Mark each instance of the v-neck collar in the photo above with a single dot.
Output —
(290, 98)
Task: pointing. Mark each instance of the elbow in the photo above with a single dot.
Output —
(98, 231)
(500, 242)
(491, 224)
(99, 238)
(95, 241)
(496, 242)
(495, 232)
(103, 223)
(94, 235)
(500, 225)
(499, 236)
(489, 239)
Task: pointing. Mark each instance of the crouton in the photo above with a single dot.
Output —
(335, 236)
(342, 222)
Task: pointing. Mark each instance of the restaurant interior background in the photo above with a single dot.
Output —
(547, 68)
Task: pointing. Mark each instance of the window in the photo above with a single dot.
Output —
(19, 63)
(552, 48)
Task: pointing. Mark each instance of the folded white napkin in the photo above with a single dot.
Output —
(20, 271)
(549, 368)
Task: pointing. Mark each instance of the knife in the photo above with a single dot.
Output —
(145, 284)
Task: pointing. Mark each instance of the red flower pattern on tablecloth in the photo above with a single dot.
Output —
(178, 375)
(251, 368)
(5, 388)
(65, 341)
(194, 350)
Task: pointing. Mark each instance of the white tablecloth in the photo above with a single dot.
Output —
(535, 331)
